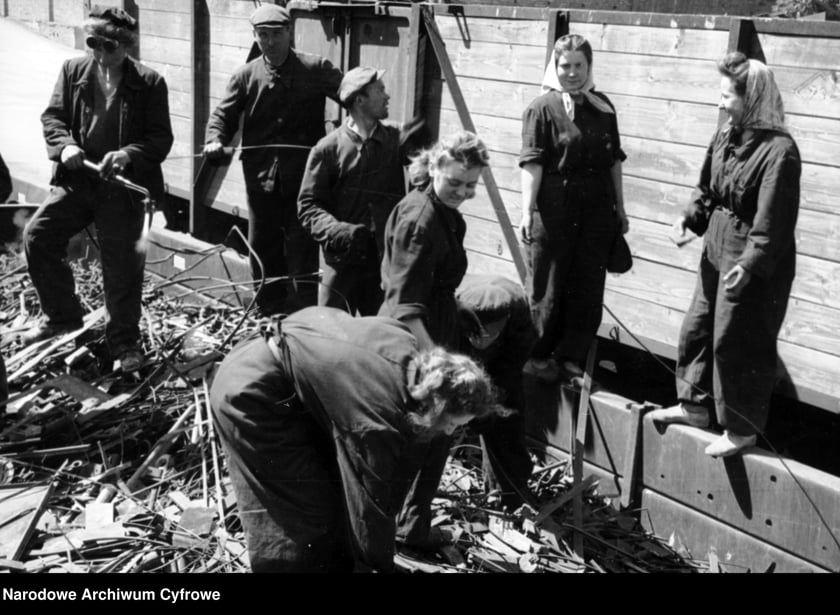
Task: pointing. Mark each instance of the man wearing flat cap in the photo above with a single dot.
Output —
(354, 178)
(108, 109)
(497, 332)
(281, 98)
(500, 335)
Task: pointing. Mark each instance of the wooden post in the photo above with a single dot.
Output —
(558, 25)
(200, 86)
(413, 76)
(580, 441)
(439, 49)
(744, 38)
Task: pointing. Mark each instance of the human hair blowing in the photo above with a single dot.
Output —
(464, 147)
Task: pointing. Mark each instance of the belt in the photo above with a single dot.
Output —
(733, 215)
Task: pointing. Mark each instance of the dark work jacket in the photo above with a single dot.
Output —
(350, 373)
(286, 107)
(576, 157)
(145, 128)
(423, 264)
(505, 357)
(354, 181)
(758, 182)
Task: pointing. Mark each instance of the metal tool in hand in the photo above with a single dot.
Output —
(148, 202)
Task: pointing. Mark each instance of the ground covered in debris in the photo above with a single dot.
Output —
(106, 472)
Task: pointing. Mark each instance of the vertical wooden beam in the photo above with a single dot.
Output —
(558, 25)
(466, 121)
(413, 70)
(200, 86)
(744, 38)
(580, 443)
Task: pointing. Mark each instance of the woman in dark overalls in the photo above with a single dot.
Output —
(572, 208)
(745, 204)
(321, 423)
(423, 264)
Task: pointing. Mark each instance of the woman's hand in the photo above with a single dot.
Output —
(736, 279)
(623, 221)
(679, 226)
(525, 226)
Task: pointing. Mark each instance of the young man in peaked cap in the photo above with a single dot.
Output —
(354, 178)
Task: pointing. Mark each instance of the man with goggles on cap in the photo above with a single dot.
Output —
(108, 109)
(281, 98)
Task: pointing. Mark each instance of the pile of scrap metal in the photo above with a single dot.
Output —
(489, 539)
(106, 472)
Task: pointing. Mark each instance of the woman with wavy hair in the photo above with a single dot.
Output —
(324, 424)
(423, 264)
(425, 260)
(745, 206)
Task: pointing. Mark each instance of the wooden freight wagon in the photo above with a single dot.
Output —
(659, 70)
(479, 65)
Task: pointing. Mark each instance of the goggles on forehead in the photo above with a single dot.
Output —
(100, 42)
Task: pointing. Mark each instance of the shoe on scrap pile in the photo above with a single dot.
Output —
(44, 330)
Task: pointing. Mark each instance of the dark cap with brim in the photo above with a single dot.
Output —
(115, 16)
(356, 80)
(270, 16)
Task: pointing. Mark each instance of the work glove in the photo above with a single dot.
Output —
(349, 243)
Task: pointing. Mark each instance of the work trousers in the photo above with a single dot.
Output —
(282, 466)
(354, 287)
(727, 345)
(567, 271)
(284, 250)
(118, 218)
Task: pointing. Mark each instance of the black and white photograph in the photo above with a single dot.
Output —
(489, 288)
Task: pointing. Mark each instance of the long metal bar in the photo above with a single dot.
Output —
(466, 120)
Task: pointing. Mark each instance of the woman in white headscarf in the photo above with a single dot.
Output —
(572, 207)
(745, 205)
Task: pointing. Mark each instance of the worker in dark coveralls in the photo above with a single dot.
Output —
(322, 421)
(111, 110)
(423, 264)
(572, 208)
(354, 178)
(500, 337)
(745, 205)
(280, 97)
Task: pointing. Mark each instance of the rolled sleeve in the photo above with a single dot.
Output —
(533, 138)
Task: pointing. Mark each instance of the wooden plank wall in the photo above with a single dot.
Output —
(660, 72)
(498, 57)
